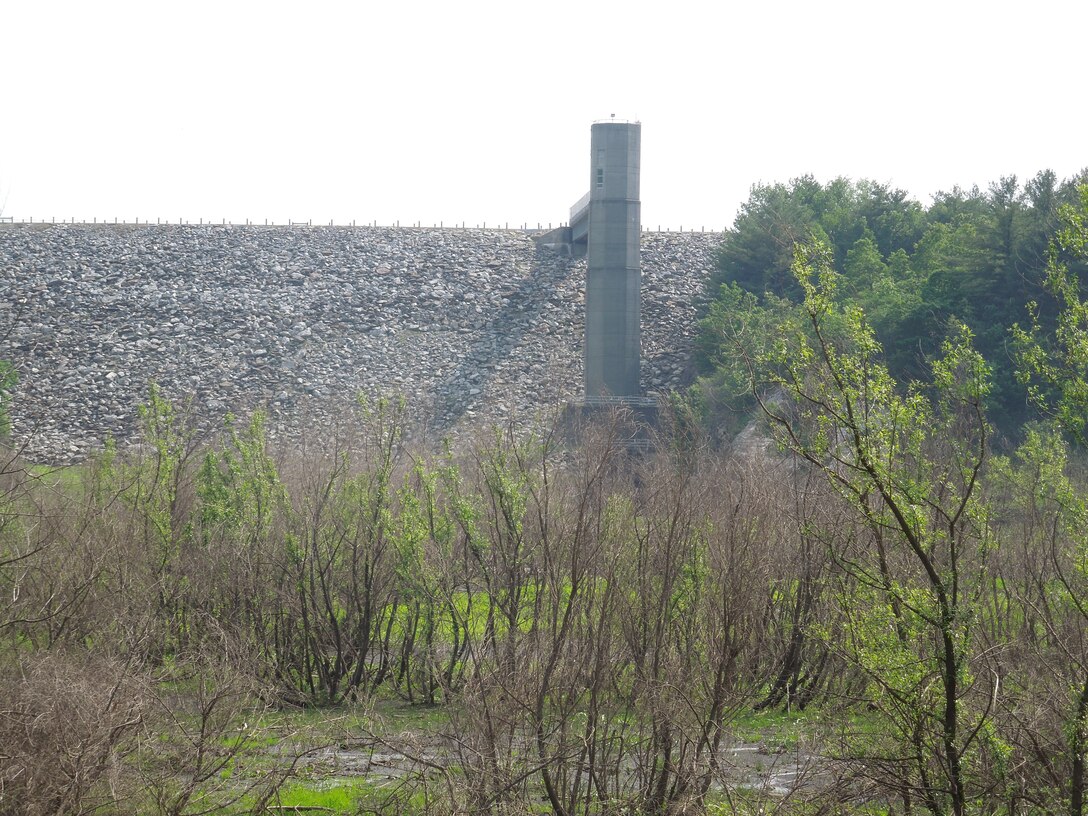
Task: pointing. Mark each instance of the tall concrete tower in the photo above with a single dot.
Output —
(614, 275)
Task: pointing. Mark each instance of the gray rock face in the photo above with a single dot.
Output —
(469, 325)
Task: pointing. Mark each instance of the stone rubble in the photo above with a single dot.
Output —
(471, 326)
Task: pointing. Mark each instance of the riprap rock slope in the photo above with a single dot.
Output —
(469, 325)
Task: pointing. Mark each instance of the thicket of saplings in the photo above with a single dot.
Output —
(593, 621)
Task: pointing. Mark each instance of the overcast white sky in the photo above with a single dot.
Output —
(480, 111)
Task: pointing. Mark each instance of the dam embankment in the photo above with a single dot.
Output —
(470, 325)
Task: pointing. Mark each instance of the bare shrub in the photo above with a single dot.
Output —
(204, 747)
(67, 724)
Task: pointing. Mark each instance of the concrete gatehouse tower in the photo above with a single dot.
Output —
(606, 227)
(614, 274)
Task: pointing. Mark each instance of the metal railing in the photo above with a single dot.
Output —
(579, 207)
(525, 226)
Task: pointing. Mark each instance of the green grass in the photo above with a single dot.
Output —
(778, 729)
(340, 796)
(752, 803)
(399, 716)
(67, 479)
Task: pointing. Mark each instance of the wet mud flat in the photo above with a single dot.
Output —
(744, 766)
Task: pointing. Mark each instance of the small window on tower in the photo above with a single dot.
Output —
(600, 177)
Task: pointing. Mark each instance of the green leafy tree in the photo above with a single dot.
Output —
(1041, 619)
(1055, 366)
(8, 379)
(243, 510)
(736, 319)
(151, 481)
(907, 461)
(757, 253)
(973, 257)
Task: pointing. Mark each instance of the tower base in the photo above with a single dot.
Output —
(633, 420)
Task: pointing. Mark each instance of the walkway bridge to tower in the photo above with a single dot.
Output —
(571, 238)
(579, 222)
